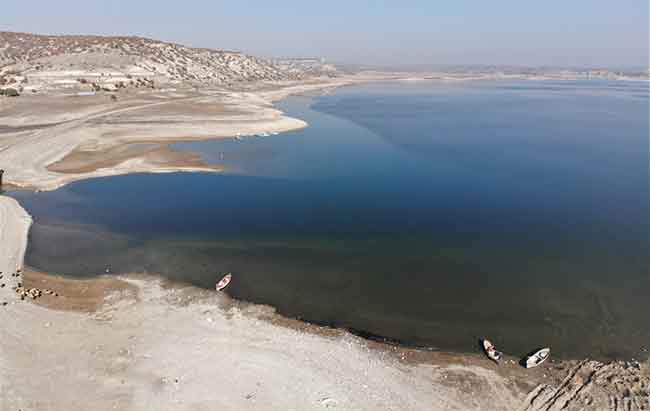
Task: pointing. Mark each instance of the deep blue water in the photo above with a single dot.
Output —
(429, 213)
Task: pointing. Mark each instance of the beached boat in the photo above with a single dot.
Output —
(223, 283)
(491, 351)
(537, 358)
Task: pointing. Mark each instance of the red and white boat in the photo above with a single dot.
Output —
(491, 351)
(224, 282)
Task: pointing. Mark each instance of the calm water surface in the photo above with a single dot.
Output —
(429, 213)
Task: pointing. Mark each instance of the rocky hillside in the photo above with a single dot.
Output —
(91, 63)
(306, 66)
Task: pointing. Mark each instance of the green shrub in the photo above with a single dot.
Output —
(11, 92)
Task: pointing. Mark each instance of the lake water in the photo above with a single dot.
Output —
(430, 213)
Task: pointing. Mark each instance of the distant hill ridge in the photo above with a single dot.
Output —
(35, 62)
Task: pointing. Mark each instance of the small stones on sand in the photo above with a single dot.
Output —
(33, 293)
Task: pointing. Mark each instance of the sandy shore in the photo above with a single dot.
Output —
(183, 348)
(134, 342)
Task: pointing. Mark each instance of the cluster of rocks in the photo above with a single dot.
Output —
(23, 292)
(33, 293)
(16, 274)
(12, 275)
(3, 281)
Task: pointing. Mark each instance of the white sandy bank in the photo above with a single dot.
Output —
(161, 353)
(14, 227)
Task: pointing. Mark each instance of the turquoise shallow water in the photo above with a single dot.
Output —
(429, 213)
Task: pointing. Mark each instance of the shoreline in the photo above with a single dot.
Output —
(432, 376)
(457, 380)
(33, 149)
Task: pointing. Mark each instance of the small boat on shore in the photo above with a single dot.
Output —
(491, 351)
(223, 283)
(537, 358)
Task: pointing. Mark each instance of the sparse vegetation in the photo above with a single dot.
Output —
(168, 62)
(10, 92)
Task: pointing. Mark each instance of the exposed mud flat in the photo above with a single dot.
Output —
(82, 161)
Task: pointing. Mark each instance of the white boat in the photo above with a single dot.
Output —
(264, 134)
(224, 282)
(537, 358)
(491, 351)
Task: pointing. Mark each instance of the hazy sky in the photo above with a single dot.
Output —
(550, 32)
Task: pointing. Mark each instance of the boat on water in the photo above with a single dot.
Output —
(223, 283)
(263, 134)
(491, 351)
(536, 358)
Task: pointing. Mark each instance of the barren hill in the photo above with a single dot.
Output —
(92, 63)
